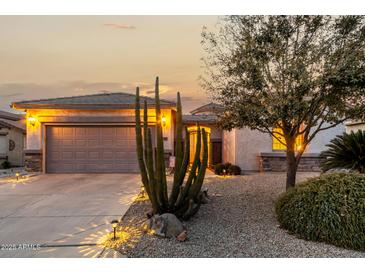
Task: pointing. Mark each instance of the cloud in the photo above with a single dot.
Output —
(119, 26)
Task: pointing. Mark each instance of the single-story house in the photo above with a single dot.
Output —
(253, 150)
(95, 133)
(12, 138)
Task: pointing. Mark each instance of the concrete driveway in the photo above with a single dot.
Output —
(66, 214)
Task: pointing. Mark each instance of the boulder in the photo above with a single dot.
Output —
(166, 225)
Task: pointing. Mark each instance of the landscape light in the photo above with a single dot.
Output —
(114, 225)
(17, 176)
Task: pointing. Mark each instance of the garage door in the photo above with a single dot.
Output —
(90, 149)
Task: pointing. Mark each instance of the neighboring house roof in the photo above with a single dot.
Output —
(12, 120)
(206, 119)
(211, 107)
(117, 100)
(353, 123)
(13, 124)
(10, 116)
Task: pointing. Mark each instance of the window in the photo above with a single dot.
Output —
(277, 145)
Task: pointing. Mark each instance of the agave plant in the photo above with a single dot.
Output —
(346, 151)
(186, 195)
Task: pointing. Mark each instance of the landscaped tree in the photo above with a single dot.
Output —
(287, 76)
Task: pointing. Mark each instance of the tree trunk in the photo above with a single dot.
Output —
(292, 165)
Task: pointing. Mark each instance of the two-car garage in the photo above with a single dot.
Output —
(89, 133)
(90, 149)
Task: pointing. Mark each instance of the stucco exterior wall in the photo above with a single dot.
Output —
(318, 144)
(35, 141)
(229, 146)
(249, 145)
(16, 156)
(244, 146)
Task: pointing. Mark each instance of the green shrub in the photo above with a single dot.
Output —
(329, 208)
(346, 151)
(221, 169)
(6, 164)
(234, 170)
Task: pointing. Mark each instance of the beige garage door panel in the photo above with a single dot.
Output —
(90, 149)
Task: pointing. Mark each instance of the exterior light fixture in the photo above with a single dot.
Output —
(163, 120)
(17, 176)
(32, 120)
(114, 224)
(143, 192)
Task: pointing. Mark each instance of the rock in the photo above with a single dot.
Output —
(182, 236)
(166, 225)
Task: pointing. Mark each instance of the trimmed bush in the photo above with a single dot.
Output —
(329, 208)
(5, 165)
(234, 170)
(221, 169)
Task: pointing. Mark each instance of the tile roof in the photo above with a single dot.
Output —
(94, 101)
(13, 124)
(210, 107)
(207, 119)
(10, 116)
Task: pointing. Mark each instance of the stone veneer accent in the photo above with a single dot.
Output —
(276, 161)
(33, 160)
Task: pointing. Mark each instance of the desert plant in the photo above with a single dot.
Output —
(186, 195)
(222, 169)
(6, 164)
(218, 169)
(234, 170)
(329, 208)
(346, 151)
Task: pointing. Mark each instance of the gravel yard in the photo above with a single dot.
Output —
(239, 221)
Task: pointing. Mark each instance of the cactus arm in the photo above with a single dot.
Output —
(145, 127)
(160, 159)
(185, 162)
(192, 209)
(178, 154)
(194, 166)
(156, 204)
(141, 162)
(198, 182)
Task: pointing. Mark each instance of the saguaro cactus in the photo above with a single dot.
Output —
(186, 195)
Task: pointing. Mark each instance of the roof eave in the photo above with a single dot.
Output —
(25, 106)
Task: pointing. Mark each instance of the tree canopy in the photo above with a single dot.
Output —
(302, 74)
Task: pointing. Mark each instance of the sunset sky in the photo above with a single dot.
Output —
(56, 56)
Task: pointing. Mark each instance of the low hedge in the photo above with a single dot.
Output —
(227, 169)
(329, 208)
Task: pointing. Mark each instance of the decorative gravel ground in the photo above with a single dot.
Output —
(239, 221)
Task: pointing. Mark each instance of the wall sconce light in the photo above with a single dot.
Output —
(114, 224)
(163, 120)
(32, 120)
